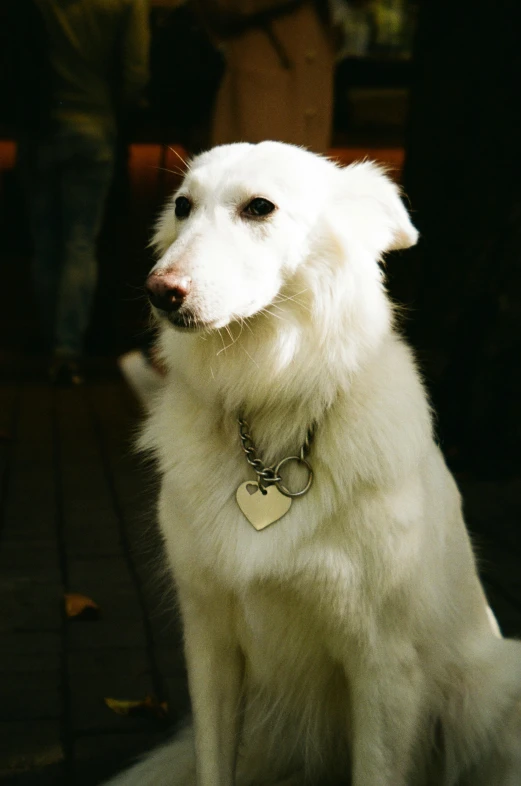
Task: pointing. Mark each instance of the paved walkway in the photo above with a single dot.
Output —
(76, 516)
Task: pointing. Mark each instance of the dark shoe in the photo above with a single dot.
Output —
(66, 373)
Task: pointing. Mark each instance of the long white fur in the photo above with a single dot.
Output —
(351, 641)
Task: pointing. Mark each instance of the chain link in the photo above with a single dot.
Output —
(304, 450)
(267, 475)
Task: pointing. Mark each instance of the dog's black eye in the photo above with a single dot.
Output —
(259, 207)
(182, 207)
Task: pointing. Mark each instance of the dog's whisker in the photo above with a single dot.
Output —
(289, 299)
(241, 325)
(229, 331)
(246, 322)
(184, 162)
(232, 342)
(274, 305)
(219, 333)
(134, 298)
(282, 298)
(293, 299)
(296, 300)
(176, 171)
(250, 357)
(271, 314)
(302, 305)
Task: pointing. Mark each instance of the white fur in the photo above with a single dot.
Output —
(351, 641)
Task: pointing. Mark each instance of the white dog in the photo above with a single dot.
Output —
(341, 636)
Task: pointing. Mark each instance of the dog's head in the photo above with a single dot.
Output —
(251, 223)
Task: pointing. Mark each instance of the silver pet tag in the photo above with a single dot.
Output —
(260, 509)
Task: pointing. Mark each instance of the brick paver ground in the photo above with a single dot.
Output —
(77, 516)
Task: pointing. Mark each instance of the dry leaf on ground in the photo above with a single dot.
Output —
(81, 607)
(147, 707)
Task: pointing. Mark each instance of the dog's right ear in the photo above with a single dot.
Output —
(377, 213)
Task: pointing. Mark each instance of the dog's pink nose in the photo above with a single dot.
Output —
(167, 291)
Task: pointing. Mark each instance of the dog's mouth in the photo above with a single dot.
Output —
(187, 320)
(184, 320)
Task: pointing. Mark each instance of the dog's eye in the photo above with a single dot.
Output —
(259, 207)
(182, 207)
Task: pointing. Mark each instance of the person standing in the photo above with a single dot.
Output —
(98, 52)
(278, 81)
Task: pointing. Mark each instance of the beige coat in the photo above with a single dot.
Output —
(260, 99)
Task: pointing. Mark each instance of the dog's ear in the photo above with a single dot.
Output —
(378, 203)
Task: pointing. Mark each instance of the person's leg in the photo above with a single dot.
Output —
(40, 179)
(85, 181)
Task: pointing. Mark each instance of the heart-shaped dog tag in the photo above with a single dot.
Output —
(260, 509)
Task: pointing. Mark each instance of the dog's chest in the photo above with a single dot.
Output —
(204, 465)
(283, 637)
(206, 530)
(331, 545)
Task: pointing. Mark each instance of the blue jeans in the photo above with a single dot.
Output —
(67, 176)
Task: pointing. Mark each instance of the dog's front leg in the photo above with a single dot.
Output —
(386, 693)
(215, 671)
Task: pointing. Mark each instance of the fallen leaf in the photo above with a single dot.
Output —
(81, 607)
(147, 707)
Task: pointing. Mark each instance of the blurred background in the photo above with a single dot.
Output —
(432, 90)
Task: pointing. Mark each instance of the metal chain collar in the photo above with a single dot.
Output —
(268, 476)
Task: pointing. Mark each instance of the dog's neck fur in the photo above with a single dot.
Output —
(273, 371)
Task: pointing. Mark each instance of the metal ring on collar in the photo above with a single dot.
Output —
(282, 488)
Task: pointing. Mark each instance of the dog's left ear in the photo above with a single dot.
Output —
(377, 205)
